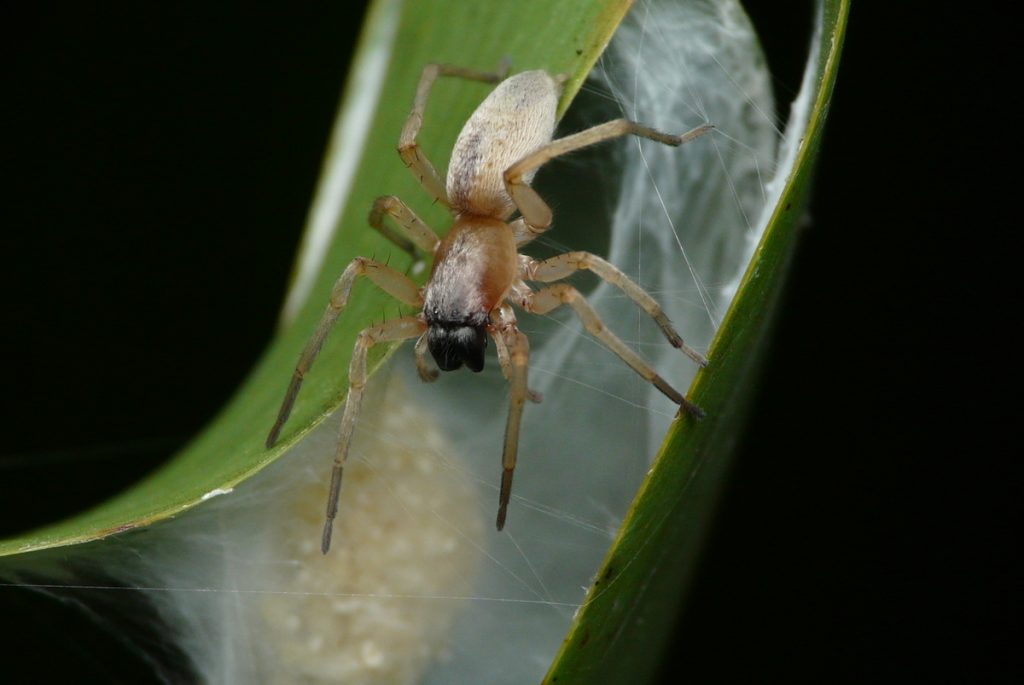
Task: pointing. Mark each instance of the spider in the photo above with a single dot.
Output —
(477, 271)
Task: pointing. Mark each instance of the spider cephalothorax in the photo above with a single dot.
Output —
(477, 272)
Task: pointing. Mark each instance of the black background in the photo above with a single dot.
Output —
(160, 164)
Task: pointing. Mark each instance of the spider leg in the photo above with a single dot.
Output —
(397, 329)
(523, 233)
(543, 301)
(519, 354)
(534, 210)
(397, 285)
(409, 149)
(414, 232)
(562, 266)
(500, 318)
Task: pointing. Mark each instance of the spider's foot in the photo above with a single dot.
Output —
(691, 134)
(325, 537)
(275, 433)
(504, 66)
(503, 497)
(691, 409)
(693, 354)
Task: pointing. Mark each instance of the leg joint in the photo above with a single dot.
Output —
(385, 203)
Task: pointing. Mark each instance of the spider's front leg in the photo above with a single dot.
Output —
(414, 232)
(543, 301)
(564, 265)
(519, 359)
(502, 319)
(391, 331)
(398, 285)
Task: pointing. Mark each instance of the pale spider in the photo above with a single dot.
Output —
(477, 271)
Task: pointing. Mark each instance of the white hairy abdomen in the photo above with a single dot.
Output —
(516, 118)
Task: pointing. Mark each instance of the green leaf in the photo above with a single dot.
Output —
(632, 606)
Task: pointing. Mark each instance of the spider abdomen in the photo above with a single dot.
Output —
(515, 119)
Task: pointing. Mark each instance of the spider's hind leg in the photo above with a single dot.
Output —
(535, 211)
(409, 148)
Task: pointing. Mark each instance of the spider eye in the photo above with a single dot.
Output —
(453, 347)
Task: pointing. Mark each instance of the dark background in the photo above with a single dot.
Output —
(160, 164)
